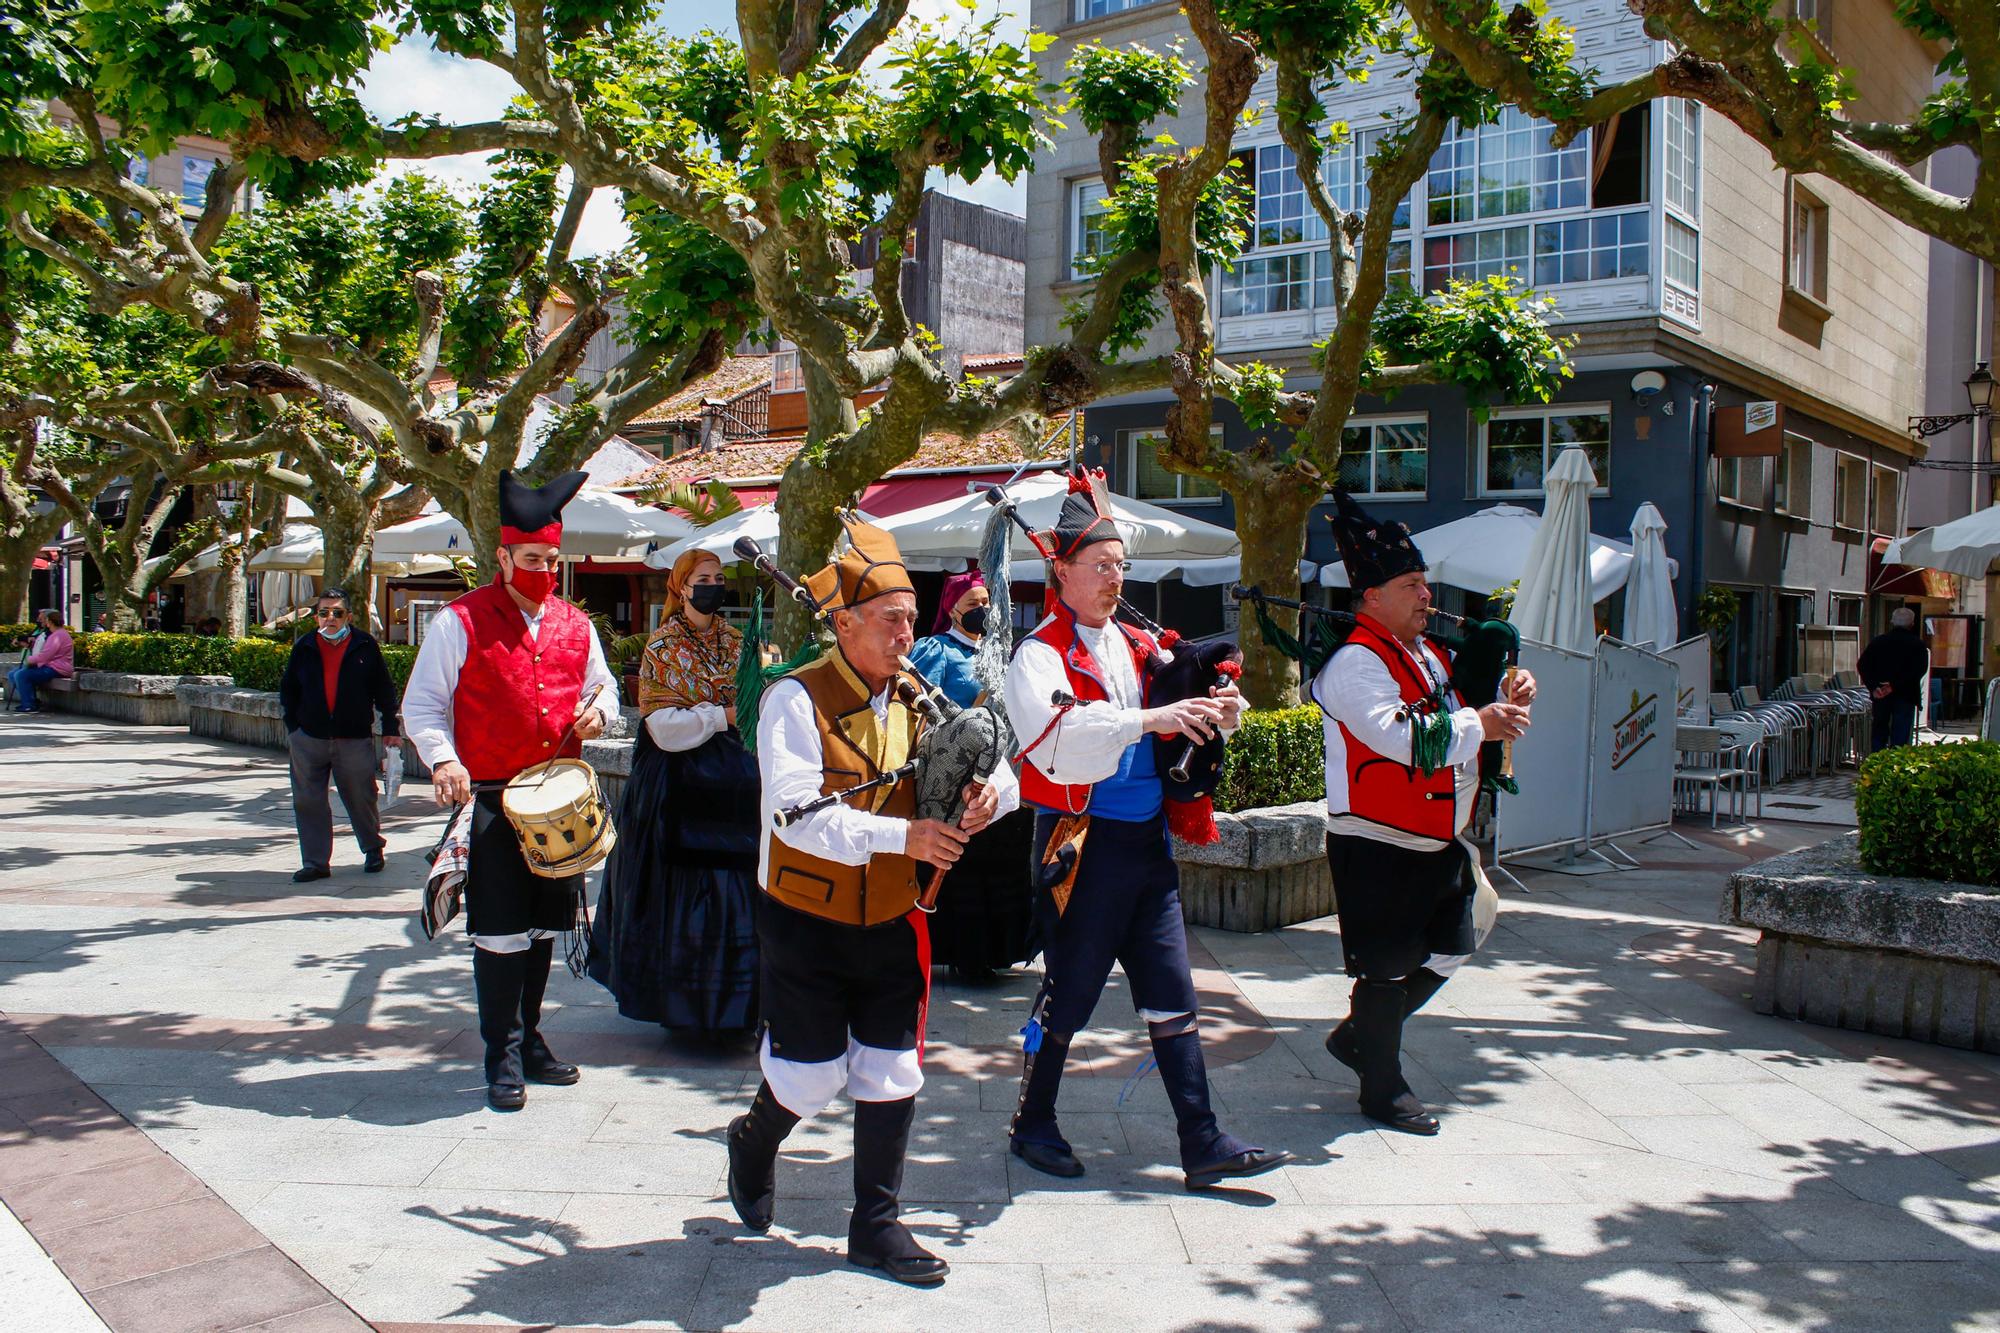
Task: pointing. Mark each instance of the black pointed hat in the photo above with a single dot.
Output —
(531, 514)
(1085, 518)
(1373, 550)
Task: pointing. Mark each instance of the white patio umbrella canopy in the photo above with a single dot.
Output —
(595, 523)
(719, 538)
(1489, 550)
(302, 551)
(1963, 546)
(1158, 541)
(1553, 605)
(1650, 617)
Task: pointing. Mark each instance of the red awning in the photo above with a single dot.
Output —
(1886, 580)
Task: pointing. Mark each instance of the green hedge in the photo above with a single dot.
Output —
(1931, 811)
(1277, 757)
(9, 633)
(259, 664)
(160, 654)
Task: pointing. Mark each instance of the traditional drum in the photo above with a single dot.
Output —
(559, 815)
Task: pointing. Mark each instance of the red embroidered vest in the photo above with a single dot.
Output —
(1086, 681)
(516, 695)
(1389, 791)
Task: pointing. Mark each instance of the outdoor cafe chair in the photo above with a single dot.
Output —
(1742, 747)
(1703, 764)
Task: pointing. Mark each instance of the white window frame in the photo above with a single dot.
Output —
(1086, 199)
(1731, 475)
(1082, 12)
(1543, 414)
(1681, 153)
(1807, 247)
(1785, 487)
(1878, 474)
(1371, 425)
(1128, 469)
(1843, 489)
(787, 376)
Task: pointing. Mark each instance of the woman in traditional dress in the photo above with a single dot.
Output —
(984, 911)
(675, 937)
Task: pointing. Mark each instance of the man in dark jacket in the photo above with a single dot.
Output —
(334, 685)
(1893, 666)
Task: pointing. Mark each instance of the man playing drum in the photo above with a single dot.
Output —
(502, 674)
(845, 952)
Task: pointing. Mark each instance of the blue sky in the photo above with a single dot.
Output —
(414, 78)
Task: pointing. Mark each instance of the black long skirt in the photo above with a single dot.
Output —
(675, 939)
(986, 908)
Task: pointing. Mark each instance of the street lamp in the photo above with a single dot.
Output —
(1979, 387)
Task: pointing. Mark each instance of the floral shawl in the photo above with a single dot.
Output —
(683, 667)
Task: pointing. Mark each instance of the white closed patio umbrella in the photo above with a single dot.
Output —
(1650, 617)
(1554, 603)
(1965, 546)
(595, 523)
(1162, 542)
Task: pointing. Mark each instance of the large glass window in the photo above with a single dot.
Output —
(1518, 446)
(1592, 249)
(1345, 170)
(1091, 9)
(1683, 155)
(1144, 478)
(1683, 258)
(1503, 169)
(1087, 201)
(1385, 456)
(1473, 255)
(786, 377)
(1791, 484)
(1273, 285)
(1284, 215)
(1850, 492)
(195, 172)
(1888, 502)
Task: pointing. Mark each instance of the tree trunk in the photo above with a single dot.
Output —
(344, 563)
(810, 499)
(17, 567)
(1271, 521)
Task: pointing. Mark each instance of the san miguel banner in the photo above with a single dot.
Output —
(1633, 715)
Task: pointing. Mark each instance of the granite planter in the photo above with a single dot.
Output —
(147, 701)
(1267, 870)
(221, 711)
(1917, 958)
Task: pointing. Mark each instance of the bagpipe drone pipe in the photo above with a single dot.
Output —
(1481, 653)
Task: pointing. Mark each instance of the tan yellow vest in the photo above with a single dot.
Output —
(855, 747)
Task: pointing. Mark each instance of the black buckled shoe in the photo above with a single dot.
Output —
(1406, 1115)
(375, 864)
(1049, 1159)
(1249, 1162)
(921, 1269)
(506, 1096)
(307, 874)
(539, 1063)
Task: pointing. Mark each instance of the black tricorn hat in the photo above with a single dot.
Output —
(1374, 551)
(534, 514)
(1085, 518)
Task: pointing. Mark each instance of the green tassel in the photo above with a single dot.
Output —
(752, 677)
(1322, 637)
(1430, 739)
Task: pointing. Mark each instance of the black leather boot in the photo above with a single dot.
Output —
(538, 1062)
(498, 979)
(1418, 988)
(1034, 1136)
(1207, 1154)
(1377, 1021)
(753, 1158)
(875, 1238)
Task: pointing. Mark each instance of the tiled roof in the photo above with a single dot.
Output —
(749, 460)
(731, 380)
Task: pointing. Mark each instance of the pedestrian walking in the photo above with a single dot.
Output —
(335, 686)
(1893, 667)
(51, 654)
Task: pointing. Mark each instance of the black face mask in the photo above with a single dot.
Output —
(973, 621)
(707, 598)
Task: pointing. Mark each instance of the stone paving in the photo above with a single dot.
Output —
(1626, 1145)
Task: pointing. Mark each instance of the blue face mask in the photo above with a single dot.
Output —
(335, 636)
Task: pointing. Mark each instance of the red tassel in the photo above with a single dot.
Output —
(1229, 670)
(1193, 821)
(1079, 481)
(1170, 639)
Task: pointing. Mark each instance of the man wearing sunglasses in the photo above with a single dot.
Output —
(335, 686)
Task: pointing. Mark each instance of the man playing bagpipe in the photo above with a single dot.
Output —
(1402, 775)
(1108, 890)
(502, 674)
(845, 963)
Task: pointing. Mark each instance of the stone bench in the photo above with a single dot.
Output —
(1916, 958)
(1267, 870)
(222, 711)
(147, 701)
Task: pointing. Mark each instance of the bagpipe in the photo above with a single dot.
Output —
(1484, 654)
(955, 748)
(1189, 770)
